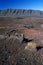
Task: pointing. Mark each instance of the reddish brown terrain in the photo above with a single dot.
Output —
(21, 41)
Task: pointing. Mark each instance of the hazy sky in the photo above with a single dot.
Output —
(22, 4)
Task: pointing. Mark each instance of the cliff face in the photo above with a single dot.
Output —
(20, 12)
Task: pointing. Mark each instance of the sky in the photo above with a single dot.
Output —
(21, 4)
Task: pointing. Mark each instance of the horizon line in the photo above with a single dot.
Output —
(22, 9)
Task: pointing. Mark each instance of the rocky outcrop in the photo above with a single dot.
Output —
(20, 12)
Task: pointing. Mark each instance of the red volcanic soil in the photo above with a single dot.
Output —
(32, 32)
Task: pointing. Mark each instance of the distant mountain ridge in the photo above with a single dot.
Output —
(20, 12)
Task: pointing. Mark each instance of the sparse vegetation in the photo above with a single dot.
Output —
(21, 42)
